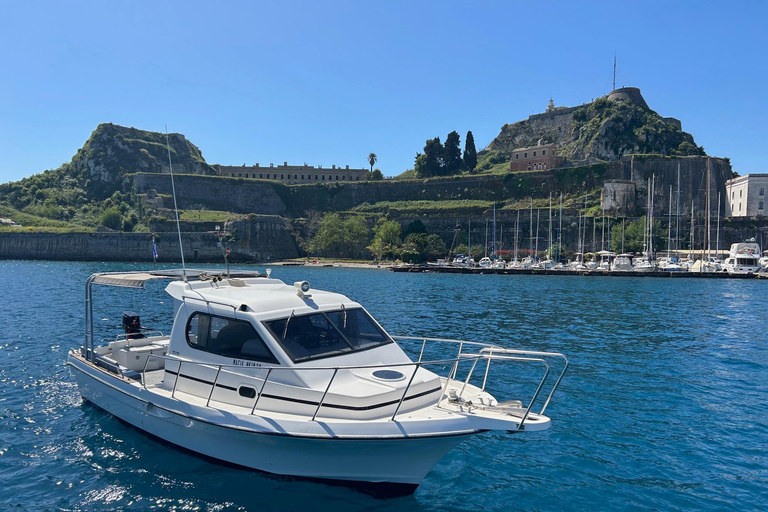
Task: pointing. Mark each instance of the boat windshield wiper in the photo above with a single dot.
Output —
(287, 321)
(344, 316)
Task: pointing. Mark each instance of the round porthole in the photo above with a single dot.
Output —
(388, 375)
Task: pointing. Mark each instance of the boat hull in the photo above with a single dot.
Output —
(400, 464)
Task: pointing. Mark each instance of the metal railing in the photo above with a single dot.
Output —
(486, 352)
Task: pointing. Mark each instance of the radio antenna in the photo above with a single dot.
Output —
(175, 206)
(614, 71)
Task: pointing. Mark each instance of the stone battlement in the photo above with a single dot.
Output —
(293, 174)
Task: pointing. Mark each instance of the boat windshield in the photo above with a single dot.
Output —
(327, 334)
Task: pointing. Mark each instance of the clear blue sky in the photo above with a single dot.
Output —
(329, 82)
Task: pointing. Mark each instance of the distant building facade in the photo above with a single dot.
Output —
(293, 174)
(745, 196)
(540, 157)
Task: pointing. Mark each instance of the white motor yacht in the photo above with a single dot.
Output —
(294, 381)
(499, 264)
(743, 258)
(485, 262)
(764, 260)
(622, 263)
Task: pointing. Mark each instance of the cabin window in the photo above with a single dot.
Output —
(327, 334)
(227, 337)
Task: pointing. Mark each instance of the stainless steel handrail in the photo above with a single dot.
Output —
(487, 352)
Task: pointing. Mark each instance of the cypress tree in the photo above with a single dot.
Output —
(470, 153)
(452, 154)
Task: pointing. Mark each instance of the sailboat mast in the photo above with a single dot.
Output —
(549, 248)
(650, 225)
(530, 231)
(517, 228)
(559, 229)
(622, 235)
(536, 252)
(493, 236)
(485, 251)
(709, 213)
(584, 238)
(717, 244)
(693, 248)
(677, 216)
(669, 224)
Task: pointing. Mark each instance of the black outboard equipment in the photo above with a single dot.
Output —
(132, 325)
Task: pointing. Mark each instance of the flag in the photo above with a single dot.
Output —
(154, 250)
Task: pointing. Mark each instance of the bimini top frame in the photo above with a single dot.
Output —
(138, 279)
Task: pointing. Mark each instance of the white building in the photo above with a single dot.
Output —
(745, 195)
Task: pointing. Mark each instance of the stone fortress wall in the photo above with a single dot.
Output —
(293, 174)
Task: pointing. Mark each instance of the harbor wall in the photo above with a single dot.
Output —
(253, 239)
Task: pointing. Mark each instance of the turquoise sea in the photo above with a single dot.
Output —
(665, 406)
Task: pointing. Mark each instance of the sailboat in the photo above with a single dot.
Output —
(577, 263)
(548, 262)
(670, 263)
(645, 262)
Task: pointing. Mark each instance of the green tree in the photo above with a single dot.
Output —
(433, 159)
(372, 159)
(452, 154)
(427, 246)
(376, 175)
(634, 235)
(340, 238)
(470, 153)
(386, 238)
(415, 227)
(420, 166)
(112, 219)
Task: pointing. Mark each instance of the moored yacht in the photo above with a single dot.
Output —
(743, 258)
(671, 264)
(294, 381)
(622, 263)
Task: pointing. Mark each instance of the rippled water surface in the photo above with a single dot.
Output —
(664, 406)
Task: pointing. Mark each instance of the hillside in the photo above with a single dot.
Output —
(90, 186)
(600, 131)
(113, 151)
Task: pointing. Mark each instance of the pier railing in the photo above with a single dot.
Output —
(482, 353)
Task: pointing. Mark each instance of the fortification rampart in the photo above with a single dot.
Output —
(254, 239)
(217, 193)
(693, 181)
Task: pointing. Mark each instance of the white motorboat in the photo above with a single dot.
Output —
(499, 264)
(485, 262)
(671, 264)
(622, 263)
(288, 380)
(463, 261)
(764, 260)
(577, 263)
(743, 258)
(606, 259)
(544, 264)
(643, 264)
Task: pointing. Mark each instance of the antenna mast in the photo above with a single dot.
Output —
(175, 206)
(614, 71)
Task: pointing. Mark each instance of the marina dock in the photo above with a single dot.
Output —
(447, 269)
